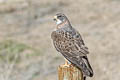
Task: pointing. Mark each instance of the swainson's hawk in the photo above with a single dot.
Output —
(69, 43)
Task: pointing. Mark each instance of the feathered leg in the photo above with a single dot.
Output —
(66, 62)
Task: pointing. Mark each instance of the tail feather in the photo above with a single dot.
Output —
(85, 67)
(81, 63)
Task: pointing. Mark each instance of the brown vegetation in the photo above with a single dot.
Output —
(26, 50)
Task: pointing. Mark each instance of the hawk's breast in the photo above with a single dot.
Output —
(63, 41)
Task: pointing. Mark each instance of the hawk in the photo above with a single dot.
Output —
(69, 43)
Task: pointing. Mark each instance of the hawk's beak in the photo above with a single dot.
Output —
(55, 18)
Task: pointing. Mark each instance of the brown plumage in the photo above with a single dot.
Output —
(69, 43)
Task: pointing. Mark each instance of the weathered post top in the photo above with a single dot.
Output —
(69, 72)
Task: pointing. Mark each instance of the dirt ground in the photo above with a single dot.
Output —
(26, 25)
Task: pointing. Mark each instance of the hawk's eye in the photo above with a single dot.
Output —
(59, 16)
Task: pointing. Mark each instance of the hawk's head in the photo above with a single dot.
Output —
(60, 18)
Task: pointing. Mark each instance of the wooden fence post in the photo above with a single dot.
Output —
(69, 72)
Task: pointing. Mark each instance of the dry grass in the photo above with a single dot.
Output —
(28, 23)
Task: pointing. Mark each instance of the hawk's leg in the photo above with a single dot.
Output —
(66, 63)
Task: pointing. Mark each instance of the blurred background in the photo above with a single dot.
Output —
(26, 49)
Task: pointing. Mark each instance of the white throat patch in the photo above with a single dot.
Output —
(59, 21)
